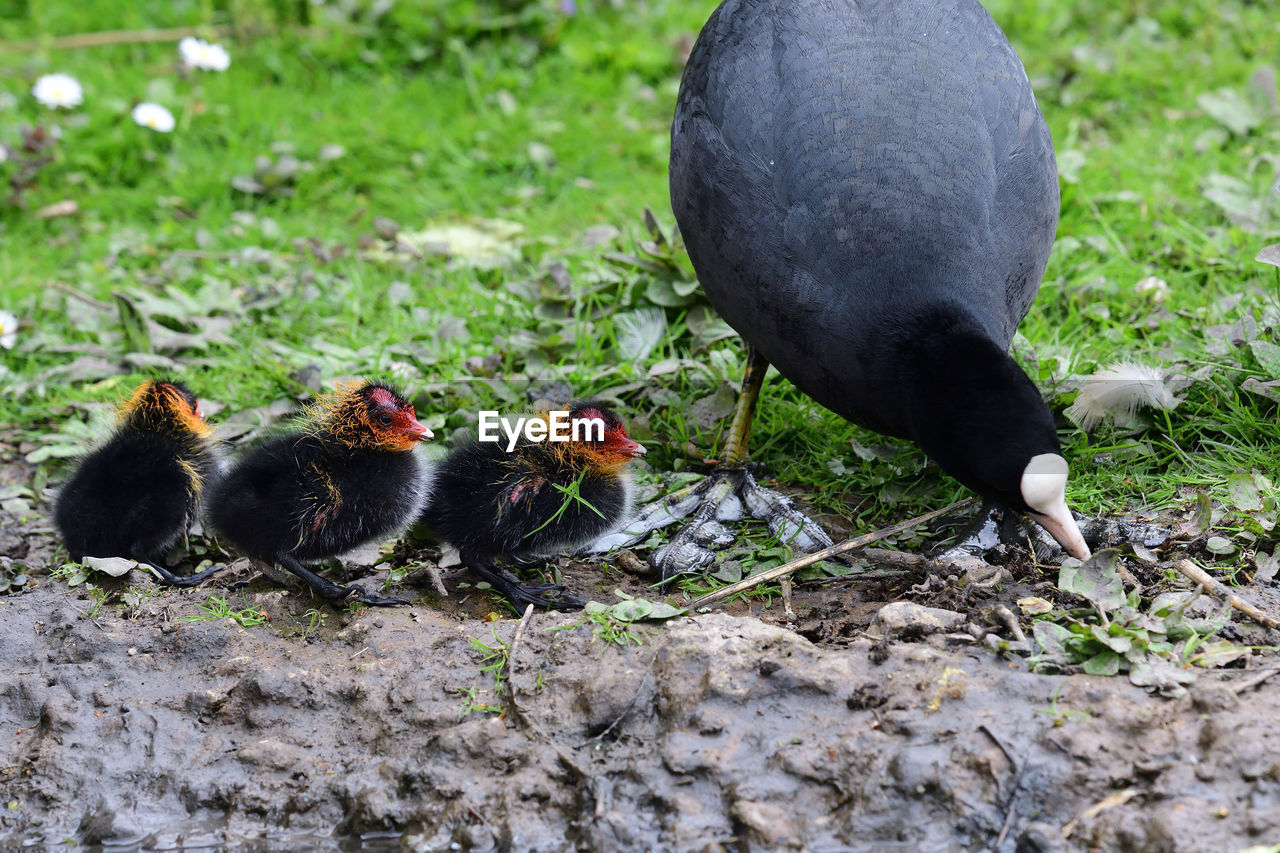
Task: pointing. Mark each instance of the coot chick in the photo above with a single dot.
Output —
(868, 194)
(348, 477)
(137, 493)
(539, 498)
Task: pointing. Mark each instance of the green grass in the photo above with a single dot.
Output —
(217, 607)
(558, 124)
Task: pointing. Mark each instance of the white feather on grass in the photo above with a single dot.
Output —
(1119, 390)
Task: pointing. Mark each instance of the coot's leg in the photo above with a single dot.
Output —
(727, 494)
(521, 594)
(330, 591)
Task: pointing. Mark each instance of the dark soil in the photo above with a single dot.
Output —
(744, 730)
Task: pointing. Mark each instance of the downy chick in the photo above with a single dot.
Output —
(135, 495)
(348, 477)
(540, 498)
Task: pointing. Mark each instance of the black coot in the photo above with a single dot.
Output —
(868, 194)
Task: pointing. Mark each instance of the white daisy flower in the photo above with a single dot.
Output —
(8, 330)
(153, 116)
(201, 54)
(58, 90)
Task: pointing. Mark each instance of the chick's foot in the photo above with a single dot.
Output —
(332, 592)
(725, 495)
(164, 577)
(549, 595)
(355, 592)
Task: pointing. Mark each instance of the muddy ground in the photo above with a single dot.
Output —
(131, 727)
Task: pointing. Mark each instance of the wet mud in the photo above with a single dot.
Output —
(144, 724)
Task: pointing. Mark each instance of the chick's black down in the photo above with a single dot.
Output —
(308, 498)
(491, 504)
(134, 496)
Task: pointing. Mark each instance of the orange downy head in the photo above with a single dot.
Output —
(369, 416)
(165, 407)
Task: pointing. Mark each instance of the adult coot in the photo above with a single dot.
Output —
(868, 194)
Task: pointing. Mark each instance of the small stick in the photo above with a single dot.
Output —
(507, 681)
(1200, 576)
(85, 298)
(519, 635)
(1254, 682)
(1010, 621)
(111, 37)
(809, 559)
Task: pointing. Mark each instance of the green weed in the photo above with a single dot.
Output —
(217, 607)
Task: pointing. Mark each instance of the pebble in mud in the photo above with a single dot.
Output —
(769, 825)
(908, 620)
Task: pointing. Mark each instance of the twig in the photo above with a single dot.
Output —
(1119, 798)
(1200, 576)
(809, 559)
(83, 297)
(519, 635)
(1254, 682)
(508, 682)
(535, 731)
(113, 37)
(1005, 615)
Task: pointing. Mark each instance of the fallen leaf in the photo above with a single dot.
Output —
(1219, 545)
(1243, 492)
(113, 566)
(1096, 579)
(1269, 390)
(1230, 109)
(66, 207)
(1268, 356)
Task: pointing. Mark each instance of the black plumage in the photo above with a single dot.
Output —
(138, 492)
(868, 194)
(494, 505)
(348, 477)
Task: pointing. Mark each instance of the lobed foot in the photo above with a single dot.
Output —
(355, 592)
(725, 495)
(549, 595)
(332, 592)
(168, 578)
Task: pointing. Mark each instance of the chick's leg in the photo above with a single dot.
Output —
(168, 578)
(521, 594)
(727, 494)
(330, 591)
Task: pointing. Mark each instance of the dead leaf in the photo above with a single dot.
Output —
(66, 207)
